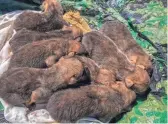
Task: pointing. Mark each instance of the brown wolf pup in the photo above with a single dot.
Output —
(36, 54)
(24, 36)
(120, 34)
(99, 101)
(30, 85)
(50, 19)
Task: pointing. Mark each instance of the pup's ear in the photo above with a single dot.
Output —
(129, 82)
(72, 81)
(71, 54)
(44, 6)
(133, 59)
(51, 60)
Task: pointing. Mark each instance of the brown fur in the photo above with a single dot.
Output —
(25, 36)
(120, 34)
(98, 101)
(104, 52)
(50, 19)
(31, 85)
(36, 54)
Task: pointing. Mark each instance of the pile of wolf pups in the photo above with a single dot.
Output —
(96, 74)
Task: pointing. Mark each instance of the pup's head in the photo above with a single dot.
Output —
(77, 32)
(138, 80)
(70, 69)
(105, 77)
(76, 47)
(143, 61)
(127, 94)
(52, 5)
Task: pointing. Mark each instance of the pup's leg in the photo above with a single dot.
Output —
(38, 94)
